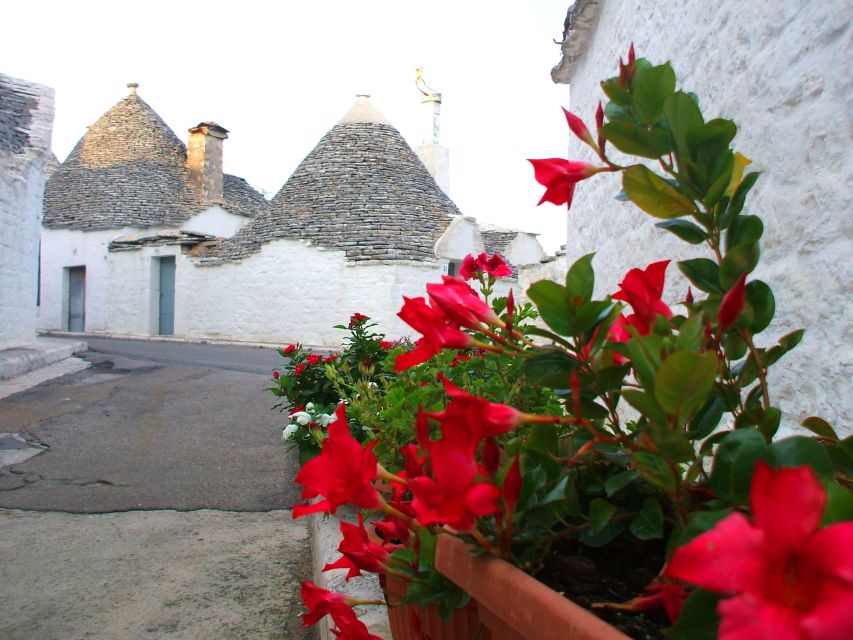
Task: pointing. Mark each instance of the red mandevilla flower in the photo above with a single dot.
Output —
(577, 127)
(452, 497)
(321, 602)
(460, 303)
(289, 349)
(732, 305)
(782, 576)
(642, 289)
(438, 333)
(313, 359)
(559, 177)
(359, 554)
(342, 473)
(356, 319)
(494, 266)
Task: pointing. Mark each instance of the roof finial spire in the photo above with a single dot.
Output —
(432, 99)
(133, 86)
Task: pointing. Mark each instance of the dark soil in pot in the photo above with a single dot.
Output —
(615, 573)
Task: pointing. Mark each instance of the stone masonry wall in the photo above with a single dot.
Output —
(26, 124)
(780, 69)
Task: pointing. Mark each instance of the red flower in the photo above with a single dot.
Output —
(469, 419)
(330, 359)
(460, 357)
(313, 359)
(385, 344)
(321, 602)
(276, 375)
(357, 319)
(289, 349)
(359, 554)
(453, 497)
(297, 409)
(782, 576)
(560, 176)
(298, 369)
(460, 303)
(732, 305)
(578, 128)
(512, 488)
(342, 473)
(642, 289)
(494, 266)
(438, 333)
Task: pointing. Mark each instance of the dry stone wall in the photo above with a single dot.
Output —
(26, 124)
(780, 70)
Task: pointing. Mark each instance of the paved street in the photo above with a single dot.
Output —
(172, 451)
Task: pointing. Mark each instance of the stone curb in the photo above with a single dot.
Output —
(35, 355)
(325, 535)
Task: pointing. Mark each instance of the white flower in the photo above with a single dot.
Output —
(301, 417)
(288, 431)
(309, 406)
(324, 419)
(372, 385)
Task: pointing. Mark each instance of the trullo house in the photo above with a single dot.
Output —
(146, 236)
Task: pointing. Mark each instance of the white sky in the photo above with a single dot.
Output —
(279, 75)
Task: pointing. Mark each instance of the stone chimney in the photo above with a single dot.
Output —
(204, 160)
(435, 157)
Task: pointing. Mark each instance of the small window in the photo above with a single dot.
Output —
(453, 267)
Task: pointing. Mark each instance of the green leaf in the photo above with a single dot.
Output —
(738, 199)
(684, 381)
(800, 450)
(821, 427)
(615, 483)
(698, 619)
(646, 405)
(770, 421)
(740, 259)
(684, 229)
(648, 523)
(841, 454)
(651, 88)
(551, 369)
(600, 512)
(552, 302)
(744, 230)
(703, 273)
(634, 140)
(654, 195)
(839, 504)
(580, 280)
(759, 298)
(672, 443)
(691, 334)
(656, 470)
(643, 368)
(543, 437)
(684, 119)
(734, 464)
(707, 419)
(699, 523)
(616, 92)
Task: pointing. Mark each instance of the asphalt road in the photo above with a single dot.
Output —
(152, 425)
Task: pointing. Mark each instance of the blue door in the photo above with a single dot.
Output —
(167, 296)
(76, 299)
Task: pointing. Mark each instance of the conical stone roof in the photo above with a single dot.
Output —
(362, 190)
(129, 170)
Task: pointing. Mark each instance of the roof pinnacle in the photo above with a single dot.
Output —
(133, 86)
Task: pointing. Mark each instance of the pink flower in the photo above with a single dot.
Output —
(494, 266)
(438, 333)
(782, 576)
(732, 305)
(559, 178)
(642, 289)
(343, 473)
(460, 303)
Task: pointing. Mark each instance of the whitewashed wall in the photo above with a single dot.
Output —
(780, 69)
(293, 292)
(215, 221)
(22, 177)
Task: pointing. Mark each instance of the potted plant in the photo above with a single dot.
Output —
(660, 456)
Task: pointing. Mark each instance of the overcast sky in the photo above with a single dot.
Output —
(279, 75)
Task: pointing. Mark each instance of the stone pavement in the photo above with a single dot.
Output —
(41, 353)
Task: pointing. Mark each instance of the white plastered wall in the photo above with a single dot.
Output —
(215, 221)
(777, 68)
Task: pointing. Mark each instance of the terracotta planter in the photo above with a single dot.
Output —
(513, 605)
(463, 624)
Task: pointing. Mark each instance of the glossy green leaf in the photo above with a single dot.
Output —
(744, 230)
(684, 381)
(672, 443)
(634, 140)
(759, 298)
(691, 334)
(707, 419)
(800, 450)
(839, 504)
(654, 195)
(698, 619)
(684, 119)
(644, 368)
(580, 280)
(651, 87)
(740, 259)
(820, 426)
(551, 369)
(648, 523)
(613, 90)
(615, 483)
(699, 523)
(646, 405)
(703, 273)
(552, 302)
(684, 229)
(734, 464)
(769, 422)
(600, 512)
(737, 201)
(656, 470)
